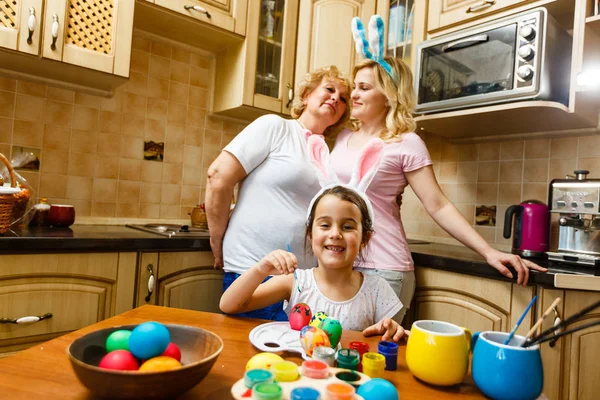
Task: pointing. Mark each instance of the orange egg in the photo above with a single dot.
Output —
(160, 363)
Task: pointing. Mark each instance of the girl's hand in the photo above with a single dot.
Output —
(387, 327)
(278, 262)
(498, 260)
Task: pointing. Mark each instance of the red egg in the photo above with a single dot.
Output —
(172, 351)
(120, 360)
(300, 316)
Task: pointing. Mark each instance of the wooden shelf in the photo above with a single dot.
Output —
(593, 23)
(513, 118)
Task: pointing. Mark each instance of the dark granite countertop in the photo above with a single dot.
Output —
(93, 238)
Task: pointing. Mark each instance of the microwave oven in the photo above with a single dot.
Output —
(526, 56)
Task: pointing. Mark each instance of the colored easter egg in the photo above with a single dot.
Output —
(311, 337)
(148, 340)
(317, 319)
(160, 363)
(263, 361)
(121, 360)
(172, 351)
(333, 329)
(300, 316)
(377, 389)
(118, 340)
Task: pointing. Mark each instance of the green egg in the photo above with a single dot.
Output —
(333, 329)
(118, 340)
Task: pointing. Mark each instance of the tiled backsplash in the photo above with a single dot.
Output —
(497, 174)
(92, 148)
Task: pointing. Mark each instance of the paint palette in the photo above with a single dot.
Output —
(241, 392)
(278, 336)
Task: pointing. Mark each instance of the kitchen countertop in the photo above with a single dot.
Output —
(118, 238)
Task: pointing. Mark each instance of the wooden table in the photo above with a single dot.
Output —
(44, 371)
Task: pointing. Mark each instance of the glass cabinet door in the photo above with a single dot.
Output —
(400, 29)
(270, 44)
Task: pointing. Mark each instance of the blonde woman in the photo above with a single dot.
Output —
(382, 105)
(269, 160)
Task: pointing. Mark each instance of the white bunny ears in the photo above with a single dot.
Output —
(362, 174)
(376, 33)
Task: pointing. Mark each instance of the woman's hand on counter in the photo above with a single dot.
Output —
(217, 249)
(500, 260)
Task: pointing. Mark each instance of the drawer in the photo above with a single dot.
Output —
(221, 11)
(446, 13)
(74, 303)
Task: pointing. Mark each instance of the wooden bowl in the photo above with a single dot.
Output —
(199, 351)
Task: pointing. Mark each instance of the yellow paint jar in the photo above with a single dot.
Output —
(285, 371)
(373, 364)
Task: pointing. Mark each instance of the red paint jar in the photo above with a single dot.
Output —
(315, 369)
(362, 348)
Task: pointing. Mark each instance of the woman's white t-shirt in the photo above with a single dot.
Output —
(374, 301)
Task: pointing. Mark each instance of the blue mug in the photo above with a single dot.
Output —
(506, 371)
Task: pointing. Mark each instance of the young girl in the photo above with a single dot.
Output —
(339, 226)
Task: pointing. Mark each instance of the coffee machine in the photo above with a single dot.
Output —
(576, 200)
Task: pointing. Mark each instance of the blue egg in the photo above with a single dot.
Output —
(148, 340)
(378, 389)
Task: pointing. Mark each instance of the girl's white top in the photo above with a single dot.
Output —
(374, 301)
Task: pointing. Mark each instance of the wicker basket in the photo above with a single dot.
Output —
(12, 206)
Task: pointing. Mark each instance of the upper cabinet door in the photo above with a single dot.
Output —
(445, 13)
(324, 35)
(93, 33)
(20, 25)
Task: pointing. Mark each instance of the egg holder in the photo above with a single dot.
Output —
(273, 337)
(240, 391)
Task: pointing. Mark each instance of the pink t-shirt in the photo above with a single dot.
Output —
(388, 248)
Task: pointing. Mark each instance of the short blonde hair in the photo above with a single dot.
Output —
(310, 83)
(399, 93)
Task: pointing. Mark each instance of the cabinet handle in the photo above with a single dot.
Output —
(199, 9)
(54, 31)
(481, 6)
(31, 24)
(290, 95)
(25, 320)
(151, 281)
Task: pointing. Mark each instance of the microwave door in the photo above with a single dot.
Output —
(475, 65)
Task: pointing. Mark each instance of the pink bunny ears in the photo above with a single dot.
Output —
(362, 174)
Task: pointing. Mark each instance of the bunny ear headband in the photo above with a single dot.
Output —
(376, 27)
(362, 173)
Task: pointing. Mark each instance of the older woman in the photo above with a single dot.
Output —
(269, 160)
(382, 104)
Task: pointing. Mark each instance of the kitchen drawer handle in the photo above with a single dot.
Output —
(31, 23)
(54, 31)
(151, 281)
(481, 6)
(290, 95)
(199, 9)
(25, 320)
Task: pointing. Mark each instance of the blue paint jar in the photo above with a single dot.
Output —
(304, 393)
(254, 376)
(390, 351)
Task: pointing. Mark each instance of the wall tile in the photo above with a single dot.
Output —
(172, 173)
(200, 61)
(59, 94)
(174, 152)
(157, 109)
(588, 146)
(559, 168)
(170, 194)
(140, 61)
(57, 113)
(126, 210)
(31, 88)
(535, 170)
(56, 137)
(511, 171)
(487, 194)
(84, 142)
(6, 130)
(132, 147)
(181, 55)
(180, 72)
(198, 97)
(151, 193)
(137, 83)
(466, 172)
(466, 193)
(132, 125)
(129, 192)
(488, 171)
(155, 130)
(109, 122)
(161, 49)
(53, 185)
(510, 193)
(192, 156)
(158, 88)
(105, 190)
(489, 151)
(175, 133)
(88, 100)
(200, 77)
(169, 211)
(81, 164)
(468, 211)
(448, 172)
(539, 148)
(27, 108)
(179, 93)
(190, 195)
(149, 211)
(142, 43)
(537, 191)
(8, 84)
(109, 144)
(103, 209)
(55, 161)
(563, 148)
(177, 113)
(28, 133)
(85, 119)
(80, 188)
(512, 150)
(129, 169)
(467, 152)
(152, 171)
(160, 67)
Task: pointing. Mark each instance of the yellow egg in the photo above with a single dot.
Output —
(160, 363)
(263, 361)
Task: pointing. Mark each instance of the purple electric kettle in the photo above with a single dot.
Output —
(530, 230)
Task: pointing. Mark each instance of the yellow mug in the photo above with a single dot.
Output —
(437, 352)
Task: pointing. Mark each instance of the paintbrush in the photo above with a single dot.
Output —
(538, 323)
(512, 332)
(289, 249)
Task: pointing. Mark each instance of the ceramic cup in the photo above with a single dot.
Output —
(437, 352)
(506, 371)
(61, 215)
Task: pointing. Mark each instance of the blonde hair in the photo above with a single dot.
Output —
(399, 93)
(310, 83)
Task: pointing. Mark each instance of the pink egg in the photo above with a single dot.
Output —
(300, 316)
(172, 351)
(120, 360)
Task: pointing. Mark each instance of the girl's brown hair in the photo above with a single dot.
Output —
(351, 196)
(399, 93)
(310, 83)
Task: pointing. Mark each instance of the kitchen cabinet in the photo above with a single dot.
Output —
(256, 76)
(571, 364)
(95, 35)
(69, 292)
(478, 304)
(181, 280)
(324, 36)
